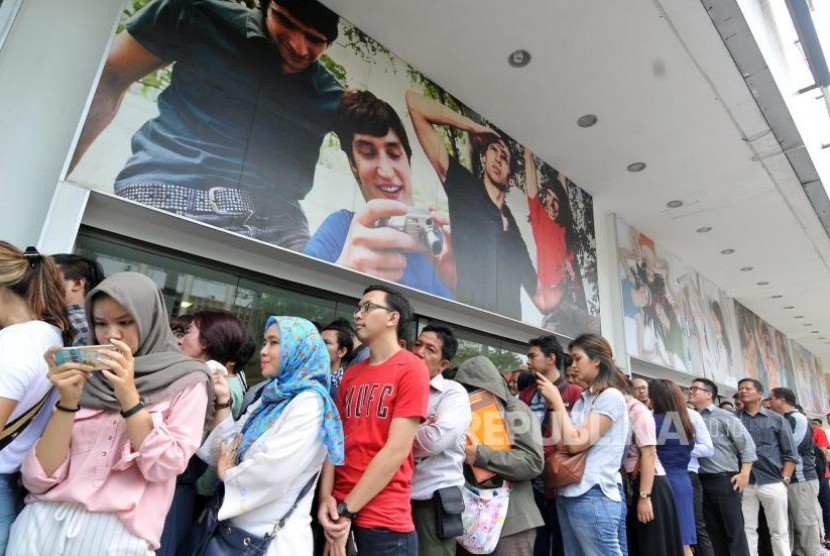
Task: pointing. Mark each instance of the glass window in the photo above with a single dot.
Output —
(190, 285)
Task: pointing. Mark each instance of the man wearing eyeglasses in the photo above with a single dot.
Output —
(381, 401)
(724, 475)
(240, 126)
(639, 389)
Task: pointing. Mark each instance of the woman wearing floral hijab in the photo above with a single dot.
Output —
(102, 475)
(282, 440)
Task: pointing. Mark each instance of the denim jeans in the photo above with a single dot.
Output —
(592, 524)
(9, 506)
(383, 541)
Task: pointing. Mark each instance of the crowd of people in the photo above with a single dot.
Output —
(355, 443)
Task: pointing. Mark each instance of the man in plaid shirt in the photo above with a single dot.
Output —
(80, 275)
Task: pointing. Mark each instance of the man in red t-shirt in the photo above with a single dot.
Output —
(381, 401)
(546, 357)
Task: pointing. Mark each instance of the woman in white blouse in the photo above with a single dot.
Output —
(281, 441)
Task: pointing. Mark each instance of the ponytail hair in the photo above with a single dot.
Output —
(37, 279)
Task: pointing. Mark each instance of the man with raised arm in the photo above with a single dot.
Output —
(492, 262)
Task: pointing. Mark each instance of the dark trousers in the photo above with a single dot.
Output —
(548, 536)
(383, 541)
(429, 543)
(824, 502)
(723, 515)
(704, 543)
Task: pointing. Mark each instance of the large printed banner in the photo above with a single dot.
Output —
(286, 124)
(676, 318)
(673, 316)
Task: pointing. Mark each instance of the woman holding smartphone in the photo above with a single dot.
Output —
(271, 457)
(32, 319)
(598, 424)
(101, 477)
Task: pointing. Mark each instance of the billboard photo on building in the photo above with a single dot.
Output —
(287, 124)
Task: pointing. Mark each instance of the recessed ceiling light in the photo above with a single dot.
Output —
(814, 332)
(727, 251)
(704, 229)
(519, 58)
(674, 204)
(746, 268)
(790, 307)
(763, 283)
(807, 324)
(637, 167)
(587, 120)
(798, 317)
(777, 296)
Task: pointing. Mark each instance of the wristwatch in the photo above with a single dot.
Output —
(645, 495)
(343, 510)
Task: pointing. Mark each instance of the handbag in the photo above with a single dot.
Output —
(562, 469)
(485, 510)
(448, 505)
(211, 537)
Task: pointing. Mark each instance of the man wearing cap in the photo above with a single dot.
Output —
(240, 126)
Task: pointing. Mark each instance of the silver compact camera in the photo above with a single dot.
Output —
(420, 226)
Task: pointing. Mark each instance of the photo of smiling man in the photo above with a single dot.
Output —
(389, 238)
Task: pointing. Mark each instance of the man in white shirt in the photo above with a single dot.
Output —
(439, 442)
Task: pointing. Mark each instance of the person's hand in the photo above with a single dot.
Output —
(645, 511)
(68, 379)
(377, 250)
(545, 387)
(336, 547)
(445, 261)
(471, 449)
(119, 368)
(334, 526)
(221, 388)
(739, 482)
(227, 456)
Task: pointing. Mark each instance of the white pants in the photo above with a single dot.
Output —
(63, 529)
(773, 498)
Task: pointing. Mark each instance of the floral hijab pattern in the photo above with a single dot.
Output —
(304, 365)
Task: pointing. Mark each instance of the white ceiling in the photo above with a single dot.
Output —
(667, 93)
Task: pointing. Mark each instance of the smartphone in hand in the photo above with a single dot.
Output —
(84, 355)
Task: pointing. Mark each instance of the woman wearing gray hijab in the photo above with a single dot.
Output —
(102, 475)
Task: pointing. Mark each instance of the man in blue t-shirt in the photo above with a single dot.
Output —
(240, 126)
(375, 142)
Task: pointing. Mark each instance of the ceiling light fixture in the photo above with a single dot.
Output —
(587, 120)
(790, 307)
(746, 268)
(674, 204)
(727, 251)
(637, 167)
(763, 283)
(519, 58)
(814, 332)
(704, 229)
(777, 296)
(798, 317)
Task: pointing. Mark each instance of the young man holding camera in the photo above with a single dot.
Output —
(375, 142)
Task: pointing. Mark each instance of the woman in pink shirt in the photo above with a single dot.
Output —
(102, 475)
